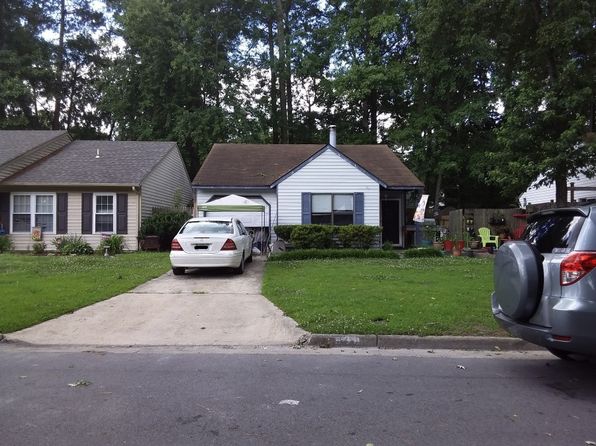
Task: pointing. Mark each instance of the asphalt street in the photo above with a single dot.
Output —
(282, 396)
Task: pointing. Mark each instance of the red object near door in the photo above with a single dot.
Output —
(461, 244)
(448, 245)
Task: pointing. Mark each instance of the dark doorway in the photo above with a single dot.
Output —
(390, 211)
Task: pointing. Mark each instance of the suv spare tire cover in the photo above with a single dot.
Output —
(519, 278)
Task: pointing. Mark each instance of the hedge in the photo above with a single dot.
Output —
(327, 236)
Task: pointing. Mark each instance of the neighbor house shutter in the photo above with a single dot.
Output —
(358, 208)
(5, 211)
(62, 213)
(122, 213)
(87, 213)
(306, 208)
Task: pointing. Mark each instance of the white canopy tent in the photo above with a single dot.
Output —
(233, 204)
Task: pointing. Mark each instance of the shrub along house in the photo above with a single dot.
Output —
(314, 183)
(87, 188)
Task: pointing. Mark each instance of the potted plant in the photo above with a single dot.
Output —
(448, 244)
(429, 233)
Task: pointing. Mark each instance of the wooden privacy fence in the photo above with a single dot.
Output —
(469, 220)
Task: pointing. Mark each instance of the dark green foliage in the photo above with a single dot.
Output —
(74, 244)
(308, 254)
(114, 243)
(284, 232)
(357, 236)
(312, 236)
(388, 245)
(422, 252)
(165, 225)
(39, 248)
(5, 243)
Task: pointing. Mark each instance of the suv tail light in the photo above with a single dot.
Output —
(175, 246)
(576, 265)
(229, 245)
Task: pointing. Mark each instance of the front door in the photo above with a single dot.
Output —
(390, 221)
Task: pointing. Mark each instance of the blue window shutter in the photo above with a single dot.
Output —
(306, 208)
(4, 212)
(359, 208)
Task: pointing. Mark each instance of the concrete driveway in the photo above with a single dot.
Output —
(203, 307)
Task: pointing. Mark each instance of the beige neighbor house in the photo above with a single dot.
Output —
(87, 188)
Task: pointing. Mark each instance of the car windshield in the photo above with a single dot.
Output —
(208, 227)
(554, 233)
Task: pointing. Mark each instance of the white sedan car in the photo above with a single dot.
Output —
(209, 242)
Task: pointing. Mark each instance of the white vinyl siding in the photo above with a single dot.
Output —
(23, 242)
(166, 184)
(328, 173)
(546, 194)
(248, 219)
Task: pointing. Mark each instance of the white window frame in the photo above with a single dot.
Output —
(33, 210)
(115, 211)
(333, 212)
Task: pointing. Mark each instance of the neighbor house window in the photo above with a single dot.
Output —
(332, 209)
(31, 210)
(104, 214)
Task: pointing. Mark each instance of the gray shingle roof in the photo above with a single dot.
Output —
(14, 143)
(261, 165)
(119, 163)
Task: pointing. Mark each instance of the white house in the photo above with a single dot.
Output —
(547, 194)
(313, 183)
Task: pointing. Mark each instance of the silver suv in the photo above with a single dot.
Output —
(545, 285)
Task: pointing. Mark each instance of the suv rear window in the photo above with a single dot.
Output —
(554, 233)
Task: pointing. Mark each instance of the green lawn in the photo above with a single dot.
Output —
(34, 289)
(424, 296)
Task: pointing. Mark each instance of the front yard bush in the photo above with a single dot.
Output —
(357, 236)
(284, 232)
(5, 243)
(165, 225)
(114, 243)
(310, 254)
(313, 236)
(72, 244)
(422, 252)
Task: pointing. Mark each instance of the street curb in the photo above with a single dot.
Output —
(421, 342)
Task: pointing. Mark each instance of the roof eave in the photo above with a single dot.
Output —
(214, 186)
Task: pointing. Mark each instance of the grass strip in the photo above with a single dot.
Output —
(417, 296)
(38, 288)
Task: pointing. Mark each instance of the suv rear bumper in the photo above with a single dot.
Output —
(575, 322)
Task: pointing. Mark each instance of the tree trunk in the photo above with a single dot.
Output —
(60, 68)
(561, 189)
(437, 196)
(281, 69)
(273, 84)
(374, 125)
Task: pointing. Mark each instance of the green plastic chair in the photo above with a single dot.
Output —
(486, 238)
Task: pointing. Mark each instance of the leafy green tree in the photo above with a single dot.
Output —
(547, 79)
(78, 60)
(446, 127)
(180, 74)
(24, 64)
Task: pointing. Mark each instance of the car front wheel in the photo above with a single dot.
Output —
(178, 271)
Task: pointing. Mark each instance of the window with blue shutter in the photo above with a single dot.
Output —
(306, 207)
(358, 208)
